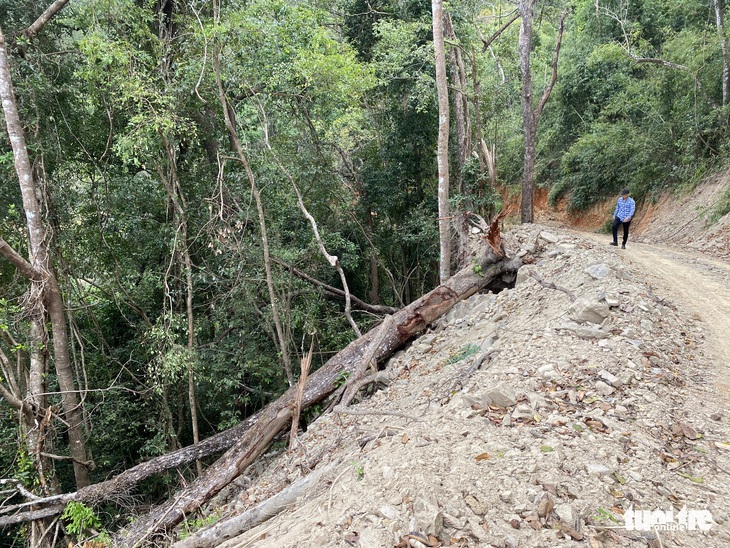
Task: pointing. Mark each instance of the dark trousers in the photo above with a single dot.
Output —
(616, 222)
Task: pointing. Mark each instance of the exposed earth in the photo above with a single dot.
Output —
(576, 409)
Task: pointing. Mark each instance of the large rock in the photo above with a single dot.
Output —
(598, 271)
(429, 517)
(501, 396)
(549, 237)
(588, 310)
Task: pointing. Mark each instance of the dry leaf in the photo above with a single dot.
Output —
(689, 432)
(483, 456)
(568, 530)
(545, 506)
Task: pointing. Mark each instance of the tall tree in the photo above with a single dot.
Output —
(45, 301)
(442, 153)
(531, 114)
(720, 24)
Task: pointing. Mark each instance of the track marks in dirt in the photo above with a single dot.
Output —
(696, 283)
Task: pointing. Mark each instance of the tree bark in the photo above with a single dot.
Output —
(406, 323)
(442, 154)
(461, 107)
(720, 24)
(463, 135)
(530, 115)
(45, 17)
(45, 295)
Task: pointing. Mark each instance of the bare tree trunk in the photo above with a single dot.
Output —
(720, 24)
(476, 93)
(463, 135)
(530, 115)
(461, 108)
(442, 154)
(406, 323)
(45, 294)
(45, 17)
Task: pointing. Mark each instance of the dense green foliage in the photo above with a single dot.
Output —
(620, 120)
(126, 130)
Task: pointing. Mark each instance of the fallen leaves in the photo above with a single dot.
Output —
(427, 540)
(684, 429)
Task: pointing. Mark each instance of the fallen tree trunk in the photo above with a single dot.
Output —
(127, 480)
(406, 323)
(233, 526)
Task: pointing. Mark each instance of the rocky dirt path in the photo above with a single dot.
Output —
(696, 282)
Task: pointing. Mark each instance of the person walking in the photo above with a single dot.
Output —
(625, 208)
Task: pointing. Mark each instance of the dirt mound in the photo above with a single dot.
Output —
(579, 405)
(688, 220)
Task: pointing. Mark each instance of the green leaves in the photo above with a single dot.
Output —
(79, 519)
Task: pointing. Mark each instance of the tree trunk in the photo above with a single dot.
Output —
(476, 93)
(276, 416)
(463, 140)
(228, 528)
(45, 295)
(461, 109)
(720, 24)
(528, 114)
(442, 154)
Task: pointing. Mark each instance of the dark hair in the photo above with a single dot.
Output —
(624, 192)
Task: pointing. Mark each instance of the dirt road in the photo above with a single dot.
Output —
(697, 283)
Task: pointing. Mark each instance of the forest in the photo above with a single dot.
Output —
(197, 196)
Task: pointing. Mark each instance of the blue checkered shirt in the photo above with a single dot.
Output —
(625, 208)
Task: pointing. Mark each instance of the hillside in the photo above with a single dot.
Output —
(559, 412)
